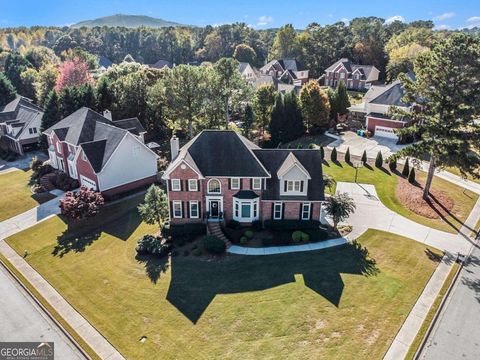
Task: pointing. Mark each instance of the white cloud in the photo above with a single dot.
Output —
(395, 18)
(444, 16)
(264, 20)
(345, 20)
(442, 27)
(474, 19)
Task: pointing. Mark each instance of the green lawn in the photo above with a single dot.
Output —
(340, 303)
(16, 196)
(386, 184)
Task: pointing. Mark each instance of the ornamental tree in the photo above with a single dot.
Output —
(447, 89)
(82, 204)
(154, 209)
(263, 102)
(315, 106)
(73, 73)
(339, 207)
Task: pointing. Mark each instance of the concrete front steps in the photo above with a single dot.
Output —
(215, 229)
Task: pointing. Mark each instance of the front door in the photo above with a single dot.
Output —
(214, 208)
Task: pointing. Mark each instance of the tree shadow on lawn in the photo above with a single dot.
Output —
(194, 283)
(434, 203)
(154, 266)
(79, 235)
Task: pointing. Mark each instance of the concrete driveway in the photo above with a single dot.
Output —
(23, 162)
(23, 320)
(358, 144)
(372, 213)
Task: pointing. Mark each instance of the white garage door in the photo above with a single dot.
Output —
(385, 132)
(84, 181)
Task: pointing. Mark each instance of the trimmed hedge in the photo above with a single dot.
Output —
(279, 238)
(186, 230)
(292, 224)
(317, 235)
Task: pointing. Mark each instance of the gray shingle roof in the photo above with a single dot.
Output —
(20, 113)
(311, 160)
(392, 95)
(133, 125)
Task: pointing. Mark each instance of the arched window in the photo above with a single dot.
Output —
(214, 186)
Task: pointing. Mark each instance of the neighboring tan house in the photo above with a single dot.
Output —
(104, 155)
(20, 122)
(248, 72)
(222, 175)
(355, 77)
(286, 71)
(375, 108)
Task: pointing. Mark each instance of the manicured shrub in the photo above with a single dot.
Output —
(63, 182)
(406, 168)
(292, 224)
(36, 164)
(233, 235)
(333, 155)
(392, 165)
(152, 245)
(411, 176)
(213, 244)
(297, 236)
(364, 157)
(299, 146)
(347, 155)
(248, 234)
(243, 240)
(185, 231)
(311, 146)
(379, 160)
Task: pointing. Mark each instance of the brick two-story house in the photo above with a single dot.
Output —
(355, 77)
(221, 174)
(104, 155)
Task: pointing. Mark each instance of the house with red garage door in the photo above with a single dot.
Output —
(222, 175)
(103, 154)
(375, 110)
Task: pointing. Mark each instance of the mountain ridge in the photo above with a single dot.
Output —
(128, 21)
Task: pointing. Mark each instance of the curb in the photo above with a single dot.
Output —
(423, 343)
(51, 317)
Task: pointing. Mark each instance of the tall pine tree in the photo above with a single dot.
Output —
(293, 118)
(277, 122)
(51, 116)
(7, 91)
(342, 103)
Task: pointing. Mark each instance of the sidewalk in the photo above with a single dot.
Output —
(88, 333)
(407, 333)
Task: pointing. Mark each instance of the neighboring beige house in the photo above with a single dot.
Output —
(20, 122)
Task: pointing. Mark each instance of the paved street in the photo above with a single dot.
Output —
(22, 319)
(457, 333)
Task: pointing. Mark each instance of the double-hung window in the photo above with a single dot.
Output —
(306, 211)
(277, 211)
(257, 184)
(194, 210)
(192, 185)
(176, 185)
(177, 209)
(293, 185)
(235, 183)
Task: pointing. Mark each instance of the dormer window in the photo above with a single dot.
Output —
(214, 186)
(294, 186)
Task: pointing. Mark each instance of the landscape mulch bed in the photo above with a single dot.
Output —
(439, 205)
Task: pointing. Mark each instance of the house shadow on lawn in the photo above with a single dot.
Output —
(194, 283)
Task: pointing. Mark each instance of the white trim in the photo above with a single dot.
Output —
(127, 182)
(254, 207)
(176, 181)
(309, 210)
(219, 186)
(239, 183)
(167, 173)
(281, 210)
(59, 147)
(190, 188)
(253, 184)
(177, 202)
(88, 181)
(190, 203)
(208, 199)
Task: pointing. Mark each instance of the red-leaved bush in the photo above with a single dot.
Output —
(82, 204)
(73, 73)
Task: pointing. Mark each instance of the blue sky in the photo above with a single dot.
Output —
(259, 13)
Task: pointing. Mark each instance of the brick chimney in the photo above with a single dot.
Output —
(174, 147)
